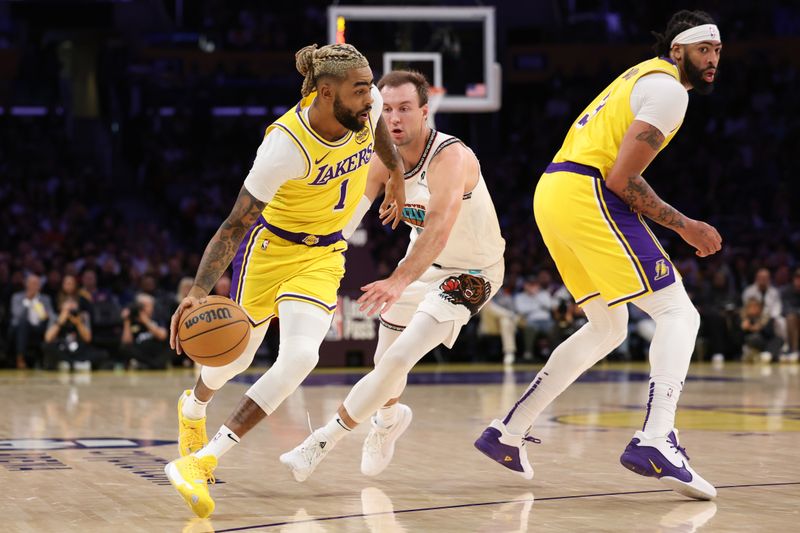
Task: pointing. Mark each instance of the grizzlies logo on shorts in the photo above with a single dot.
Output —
(469, 291)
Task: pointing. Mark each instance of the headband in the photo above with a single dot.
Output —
(706, 32)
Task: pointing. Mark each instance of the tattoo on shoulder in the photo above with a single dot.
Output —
(652, 136)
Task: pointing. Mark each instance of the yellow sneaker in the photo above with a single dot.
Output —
(189, 476)
(191, 433)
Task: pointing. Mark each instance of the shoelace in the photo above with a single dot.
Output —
(674, 444)
(528, 438)
(203, 469)
(374, 441)
(310, 453)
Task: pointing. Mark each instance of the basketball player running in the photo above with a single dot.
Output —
(589, 205)
(285, 231)
(454, 264)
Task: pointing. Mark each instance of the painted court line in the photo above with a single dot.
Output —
(481, 504)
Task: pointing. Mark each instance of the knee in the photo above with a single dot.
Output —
(301, 352)
(393, 363)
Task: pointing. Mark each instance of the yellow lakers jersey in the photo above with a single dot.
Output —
(594, 139)
(325, 198)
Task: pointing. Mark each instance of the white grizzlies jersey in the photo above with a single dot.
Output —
(475, 241)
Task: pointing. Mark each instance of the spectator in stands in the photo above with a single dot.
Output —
(70, 291)
(770, 298)
(223, 286)
(760, 341)
(718, 306)
(143, 338)
(68, 337)
(30, 312)
(498, 316)
(567, 315)
(534, 304)
(790, 299)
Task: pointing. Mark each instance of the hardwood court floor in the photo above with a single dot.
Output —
(86, 453)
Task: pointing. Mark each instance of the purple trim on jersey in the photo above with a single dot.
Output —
(524, 397)
(240, 260)
(586, 298)
(306, 239)
(338, 144)
(622, 237)
(299, 145)
(575, 168)
(668, 60)
(306, 298)
(657, 267)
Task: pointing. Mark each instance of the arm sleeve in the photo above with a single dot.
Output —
(660, 100)
(278, 160)
(377, 106)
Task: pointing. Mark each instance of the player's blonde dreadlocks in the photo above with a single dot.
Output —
(330, 60)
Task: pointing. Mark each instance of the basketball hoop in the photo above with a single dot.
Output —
(435, 97)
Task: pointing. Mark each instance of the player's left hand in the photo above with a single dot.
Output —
(394, 199)
(380, 295)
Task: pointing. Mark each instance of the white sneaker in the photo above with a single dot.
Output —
(792, 357)
(303, 459)
(664, 459)
(717, 359)
(508, 359)
(378, 448)
(765, 357)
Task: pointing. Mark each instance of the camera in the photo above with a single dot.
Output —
(134, 309)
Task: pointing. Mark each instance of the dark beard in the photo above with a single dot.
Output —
(345, 117)
(695, 76)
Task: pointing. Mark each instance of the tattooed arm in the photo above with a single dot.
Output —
(218, 254)
(395, 197)
(639, 147)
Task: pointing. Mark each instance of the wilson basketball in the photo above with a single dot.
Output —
(214, 333)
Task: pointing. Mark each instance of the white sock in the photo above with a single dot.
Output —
(661, 406)
(194, 409)
(605, 331)
(387, 415)
(335, 429)
(677, 322)
(223, 441)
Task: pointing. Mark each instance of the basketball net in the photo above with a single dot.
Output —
(435, 96)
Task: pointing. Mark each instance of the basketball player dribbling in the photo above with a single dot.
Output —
(453, 266)
(284, 236)
(589, 206)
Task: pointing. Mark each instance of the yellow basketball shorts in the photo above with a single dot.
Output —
(268, 269)
(600, 246)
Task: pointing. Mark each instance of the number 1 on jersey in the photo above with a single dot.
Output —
(342, 196)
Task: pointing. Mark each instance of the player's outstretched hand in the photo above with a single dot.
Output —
(174, 324)
(380, 295)
(703, 237)
(394, 199)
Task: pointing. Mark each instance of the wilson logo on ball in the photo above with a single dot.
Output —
(221, 313)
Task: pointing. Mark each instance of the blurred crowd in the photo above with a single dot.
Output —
(102, 231)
